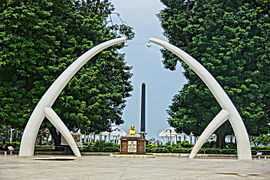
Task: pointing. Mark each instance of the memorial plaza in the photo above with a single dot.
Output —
(44, 167)
(65, 81)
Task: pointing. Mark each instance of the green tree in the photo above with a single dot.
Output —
(231, 39)
(263, 139)
(39, 39)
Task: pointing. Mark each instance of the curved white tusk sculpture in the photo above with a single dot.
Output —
(228, 109)
(43, 108)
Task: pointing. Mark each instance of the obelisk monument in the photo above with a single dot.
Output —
(143, 133)
(133, 144)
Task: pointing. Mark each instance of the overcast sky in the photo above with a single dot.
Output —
(161, 84)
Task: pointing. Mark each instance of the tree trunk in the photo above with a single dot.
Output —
(56, 138)
(220, 143)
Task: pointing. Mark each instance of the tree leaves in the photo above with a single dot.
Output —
(230, 39)
(39, 40)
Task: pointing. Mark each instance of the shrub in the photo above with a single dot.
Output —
(15, 145)
(212, 151)
(185, 144)
(228, 151)
(101, 147)
(43, 148)
(264, 149)
(231, 146)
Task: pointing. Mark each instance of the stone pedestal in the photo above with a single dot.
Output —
(132, 145)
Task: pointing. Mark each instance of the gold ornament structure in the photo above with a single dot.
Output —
(132, 130)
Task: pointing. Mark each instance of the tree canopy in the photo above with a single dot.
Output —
(231, 40)
(39, 39)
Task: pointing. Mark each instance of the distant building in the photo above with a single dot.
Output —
(112, 137)
(170, 136)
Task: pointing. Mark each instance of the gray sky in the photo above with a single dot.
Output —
(161, 84)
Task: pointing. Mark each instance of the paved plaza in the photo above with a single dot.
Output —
(109, 168)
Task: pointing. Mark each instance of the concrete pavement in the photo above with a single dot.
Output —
(109, 168)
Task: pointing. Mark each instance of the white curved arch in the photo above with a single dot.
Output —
(43, 108)
(228, 109)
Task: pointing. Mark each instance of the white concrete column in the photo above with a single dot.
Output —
(48, 99)
(243, 144)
